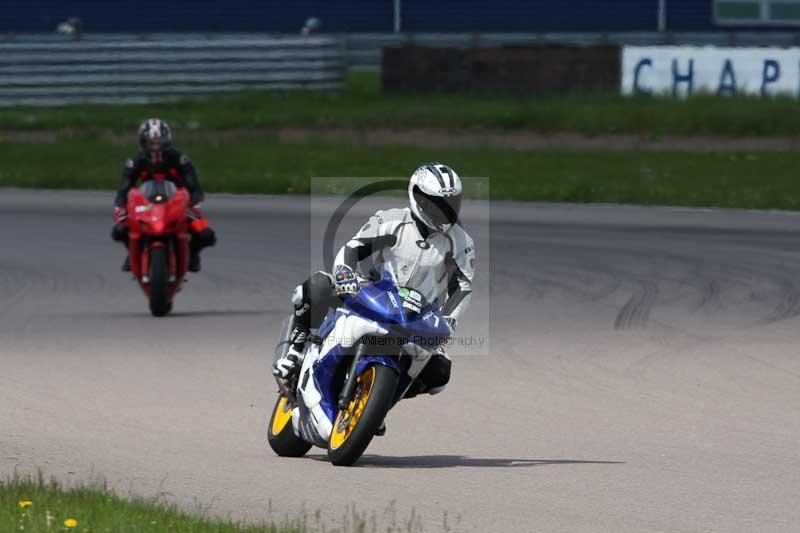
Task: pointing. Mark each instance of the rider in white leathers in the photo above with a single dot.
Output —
(423, 246)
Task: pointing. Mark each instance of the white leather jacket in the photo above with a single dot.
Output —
(441, 266)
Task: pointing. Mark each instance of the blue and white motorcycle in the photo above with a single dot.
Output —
(366, 355)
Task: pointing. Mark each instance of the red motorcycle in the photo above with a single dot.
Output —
(158, 232)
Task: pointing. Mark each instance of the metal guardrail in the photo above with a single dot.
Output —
(45, 71)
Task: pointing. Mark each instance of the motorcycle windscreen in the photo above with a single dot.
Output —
(157, 191)
(381, 302)
(405, 307)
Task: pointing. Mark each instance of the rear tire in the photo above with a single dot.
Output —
(280, 434)
(159, 282)
(346, 446)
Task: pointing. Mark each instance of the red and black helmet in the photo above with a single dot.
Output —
(155, 135)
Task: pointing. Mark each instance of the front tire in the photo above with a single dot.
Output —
(280, 435)
(159, 282)
(355, 426)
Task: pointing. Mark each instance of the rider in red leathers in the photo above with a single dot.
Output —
(158, 158)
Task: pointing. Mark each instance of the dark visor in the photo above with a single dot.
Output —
(441, 209)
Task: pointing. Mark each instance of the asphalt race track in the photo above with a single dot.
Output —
(644, 372)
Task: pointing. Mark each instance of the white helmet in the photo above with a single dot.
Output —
(435, 195)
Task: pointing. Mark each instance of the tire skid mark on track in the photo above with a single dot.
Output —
(711, 275)
(579, 280)
(723, 278)
(769, 282)
(636, 311)
(711, 294)
(575, 279)
(789, 305)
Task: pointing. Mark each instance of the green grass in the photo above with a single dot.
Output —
(265, 165)
(97, 510)
(363, 105)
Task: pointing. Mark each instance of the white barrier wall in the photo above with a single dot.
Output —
(686, 70)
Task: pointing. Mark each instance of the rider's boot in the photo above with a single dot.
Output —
(200, 240)
(194, 260)
(293, 360)
(126, 265)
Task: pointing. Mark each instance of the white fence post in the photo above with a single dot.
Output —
(662, 15)
(398, 23)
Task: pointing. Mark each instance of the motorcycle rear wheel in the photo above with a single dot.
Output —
(159, 282)
(355, 426)
(280, 434)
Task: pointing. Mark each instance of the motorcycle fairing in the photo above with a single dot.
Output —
(402, 316)
(154, 223)
(377, 310)
(309, 420)
(320, 375)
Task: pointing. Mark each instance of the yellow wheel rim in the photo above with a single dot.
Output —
(282, 415)
(347, 420)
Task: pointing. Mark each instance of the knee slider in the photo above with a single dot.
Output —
(297, 296)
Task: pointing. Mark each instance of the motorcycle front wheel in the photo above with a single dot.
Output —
(355, 426)
(280, 435)
(159, 282)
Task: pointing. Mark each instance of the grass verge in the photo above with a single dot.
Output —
(36, 506)
(766, 180)
(363, 105)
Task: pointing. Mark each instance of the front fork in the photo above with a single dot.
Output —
(349, 389)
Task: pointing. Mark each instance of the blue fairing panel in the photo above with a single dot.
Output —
(367, 361)
(325, 377)
(327, 325)
(370, 360)
(383, 303)
(406, 319)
